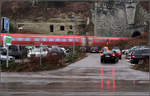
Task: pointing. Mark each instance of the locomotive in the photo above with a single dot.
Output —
(61, 40)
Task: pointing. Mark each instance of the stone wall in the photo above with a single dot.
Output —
(53, 26)
(110, 22)
(121, 20)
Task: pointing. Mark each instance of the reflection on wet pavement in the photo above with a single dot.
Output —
(79, 84)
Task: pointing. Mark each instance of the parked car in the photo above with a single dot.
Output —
(133, 49)
(109, 56)
(37, 52)
(3, 56)
(94, 50)
(18, 51)
(83, 49)
(57, 51)
(137, 55)
(65, 52)
(125, 51)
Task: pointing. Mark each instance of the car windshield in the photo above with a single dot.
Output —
(118, 51)
(108, 52)
(116, 48)
(94, 48)
(36, 50)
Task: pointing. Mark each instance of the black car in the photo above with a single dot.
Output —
(18, 51)
(109, 56)
(137, 55)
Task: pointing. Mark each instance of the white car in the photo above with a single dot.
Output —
(4, 58)
(64, 50)
(37, 52)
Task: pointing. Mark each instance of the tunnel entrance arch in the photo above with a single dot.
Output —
(136, 33)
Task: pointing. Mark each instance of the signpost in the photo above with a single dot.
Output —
(7, 39)
(6, 24)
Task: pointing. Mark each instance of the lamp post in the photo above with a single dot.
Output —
(73, 19)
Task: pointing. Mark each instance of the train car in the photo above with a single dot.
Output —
(34, 39)
(104, 41)
(60, 40)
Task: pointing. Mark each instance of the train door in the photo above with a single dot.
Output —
(84, 42)
(90, 41)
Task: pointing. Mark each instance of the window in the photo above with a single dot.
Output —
(57, 39)
(76, 40)
(90, 39)
(51, 28)
(70, 26)
(96, 40)
(64, 40)
(62, 28)
(13, 39)
(101, 40)
(27, 39)
(43, 39)
(36, 39)
(19, 39)
(70, 40)
(20, 25)
(51, 39)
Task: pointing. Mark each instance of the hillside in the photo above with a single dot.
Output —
(26, 10)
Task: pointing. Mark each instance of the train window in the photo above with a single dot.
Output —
(90, 39)
(62, 28)
(20, 39)
(13, 38)
(77, 40)
(101, 40)
(96, 40)
(64, 40)
(57, 39)
(44, 39)
(27, 39)
(70, 40)
(36, 39)
(51, 39)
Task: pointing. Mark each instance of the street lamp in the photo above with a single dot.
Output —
(73, 19)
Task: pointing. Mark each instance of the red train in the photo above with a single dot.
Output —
(60, 40)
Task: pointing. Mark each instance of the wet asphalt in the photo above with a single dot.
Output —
(87, 77)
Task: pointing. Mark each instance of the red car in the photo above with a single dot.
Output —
(118, 52)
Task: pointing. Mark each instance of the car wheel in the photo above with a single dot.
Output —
(116, 60)
(120, 57)
(102, 61)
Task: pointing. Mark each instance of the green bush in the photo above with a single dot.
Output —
(12, 65)
(71, 58)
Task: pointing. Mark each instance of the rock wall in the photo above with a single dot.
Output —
(118, 19)
(110, 22)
